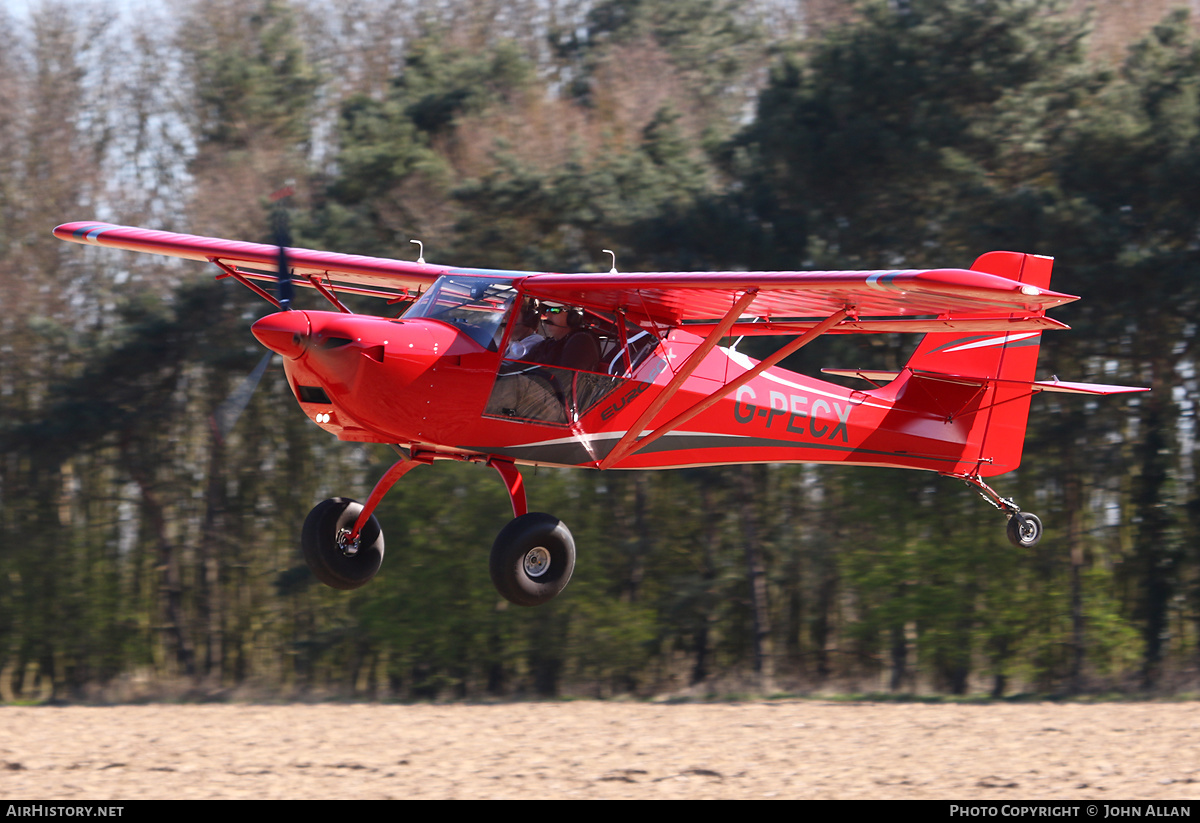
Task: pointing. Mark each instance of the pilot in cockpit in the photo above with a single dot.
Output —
(541, 387)
(568, 343)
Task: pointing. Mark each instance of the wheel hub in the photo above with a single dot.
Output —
(347, 546)
(537, 561)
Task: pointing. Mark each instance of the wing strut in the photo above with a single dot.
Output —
(236, 275)
(626, 443)
(327, 293)
(627, 446)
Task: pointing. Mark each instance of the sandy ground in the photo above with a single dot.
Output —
(772, 749)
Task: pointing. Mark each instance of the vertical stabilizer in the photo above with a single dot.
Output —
(998, 431)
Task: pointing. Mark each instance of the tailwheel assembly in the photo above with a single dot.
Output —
(1024, 528)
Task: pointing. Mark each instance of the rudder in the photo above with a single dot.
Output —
(997, 435)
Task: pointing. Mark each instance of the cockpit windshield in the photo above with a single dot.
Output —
(475, 305)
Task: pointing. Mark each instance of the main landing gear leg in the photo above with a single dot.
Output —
(534, 555)
(531, 562)
(1024, 528)
(342, 541)
(513, 482)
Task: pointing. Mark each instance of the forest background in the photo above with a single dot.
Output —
(140, 556)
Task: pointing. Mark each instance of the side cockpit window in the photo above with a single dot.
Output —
(578, 338)
(561, 361)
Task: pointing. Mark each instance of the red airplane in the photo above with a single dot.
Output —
(624, 371)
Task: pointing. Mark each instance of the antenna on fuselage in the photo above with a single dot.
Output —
(613, 255)
(420, 251)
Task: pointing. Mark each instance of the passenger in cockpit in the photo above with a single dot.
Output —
(524, 337)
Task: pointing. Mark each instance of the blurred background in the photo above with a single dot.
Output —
(143, 556)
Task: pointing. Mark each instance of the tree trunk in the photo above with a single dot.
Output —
(1151, 510)
(214, 528)
(756, 578)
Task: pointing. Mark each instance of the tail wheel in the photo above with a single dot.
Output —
(334, 559)
(532, 559)
(1024, 530)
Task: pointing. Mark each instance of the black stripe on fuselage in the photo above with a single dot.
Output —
(575, 453)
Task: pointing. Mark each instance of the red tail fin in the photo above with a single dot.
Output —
(997, 434)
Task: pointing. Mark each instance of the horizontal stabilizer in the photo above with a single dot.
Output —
(870, 375)
(1084, 388)
(1055, 385)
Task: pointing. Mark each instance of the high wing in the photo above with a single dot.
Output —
(357, 274)
(783, 303)
(931, 300)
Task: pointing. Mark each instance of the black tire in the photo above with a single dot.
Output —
(532, 559)
(1024, 530)
(328, 562)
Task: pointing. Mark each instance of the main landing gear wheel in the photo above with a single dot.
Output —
(532, 559)
(333, 558)
(1024, 530)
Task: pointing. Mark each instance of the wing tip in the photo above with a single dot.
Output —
(81, 231)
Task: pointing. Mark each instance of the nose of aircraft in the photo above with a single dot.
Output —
(286, 332)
